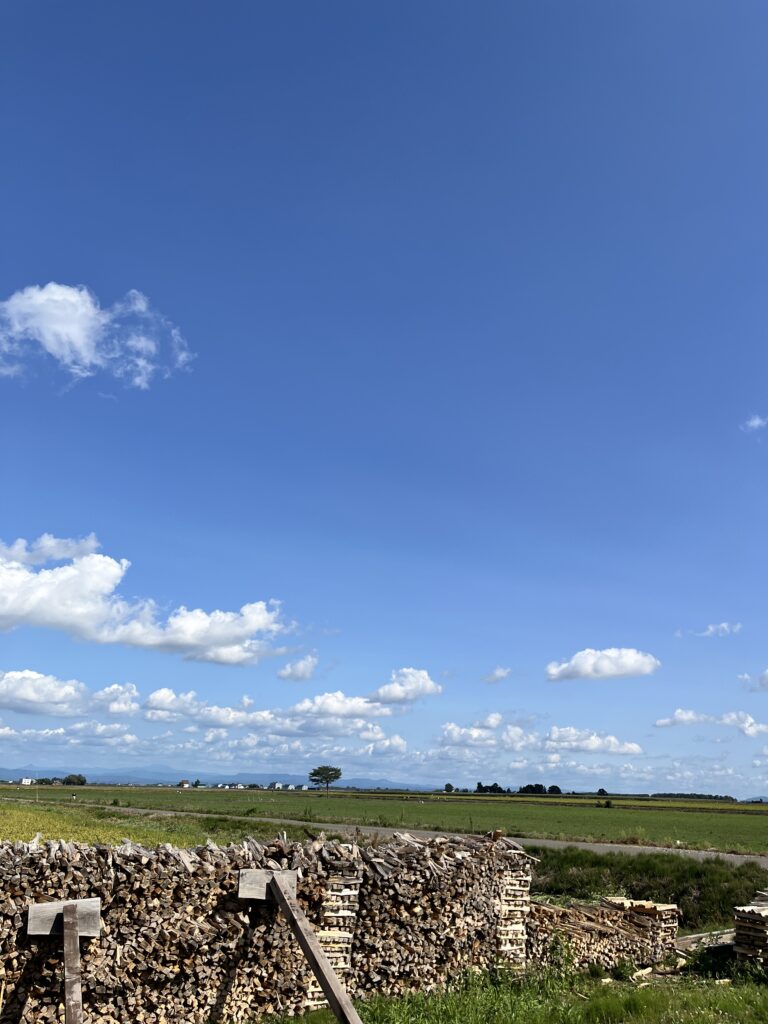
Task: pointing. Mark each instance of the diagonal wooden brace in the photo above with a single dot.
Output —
(281, 887)
(73, 918)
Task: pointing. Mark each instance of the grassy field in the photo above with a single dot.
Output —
(575, 1000)
(700, 825)
(92, 825)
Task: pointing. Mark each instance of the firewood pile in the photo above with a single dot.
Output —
(431, 909)
(751, 927)
(607, 933)
(177, 945)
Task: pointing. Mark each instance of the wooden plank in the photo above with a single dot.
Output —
(253, 883)
(73, 992)
(47, 918)
(334, 992)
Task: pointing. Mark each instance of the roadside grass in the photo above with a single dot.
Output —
(558, 999)
(705, 890)
(724, 827)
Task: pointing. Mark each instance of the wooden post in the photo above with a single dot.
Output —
(281, 885)
(73, 919)
(73, 993)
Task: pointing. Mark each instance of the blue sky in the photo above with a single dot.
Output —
(442, 326)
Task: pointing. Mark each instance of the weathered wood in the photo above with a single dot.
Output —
(253, 882)
(47, 918)
(337, 997)
(73, 994)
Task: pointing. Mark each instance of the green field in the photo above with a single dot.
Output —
(695, 824)
(91, 825)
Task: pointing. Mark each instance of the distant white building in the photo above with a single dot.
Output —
(27, 782)
(290, 786)
(304, 788)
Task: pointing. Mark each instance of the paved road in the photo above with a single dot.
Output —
(329, 826)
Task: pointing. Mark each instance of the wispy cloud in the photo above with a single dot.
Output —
(721, 629)
(498, 675)
(754, 423)
(128, 340)
(610, 663)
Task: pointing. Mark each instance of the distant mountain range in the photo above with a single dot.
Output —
(158, 774)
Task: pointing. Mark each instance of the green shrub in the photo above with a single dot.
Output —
(705, 890)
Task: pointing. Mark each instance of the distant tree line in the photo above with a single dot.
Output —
(694, 796)
(68, 780)
(495, 789)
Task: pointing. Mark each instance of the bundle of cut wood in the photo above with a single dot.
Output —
(751, 927)
(429, 910)
(615, 930)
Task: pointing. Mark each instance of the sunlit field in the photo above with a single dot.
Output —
(695, 824)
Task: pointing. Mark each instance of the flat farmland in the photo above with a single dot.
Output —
(23, 821)
(695, 824)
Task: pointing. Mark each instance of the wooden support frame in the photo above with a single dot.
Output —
(72, 919)
(281, 887)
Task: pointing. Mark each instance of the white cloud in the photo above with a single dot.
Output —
(484, 734)
(338, 704)
(721, 629)
(744, 722)
(128, 340)
(406, 685)
(610, 663)
(585, 740)
(514, 737)
(120, 699)
(683, 716)
(498, 674)
(93, 728)
(740, 720)
(755, 423)
(80, 597)
(48, 548)
(32, 692)
(300, 671)
(468, 736)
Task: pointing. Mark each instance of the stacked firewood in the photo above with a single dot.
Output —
(615, 930)
(177, 945)
(430, 910)
(751, 925)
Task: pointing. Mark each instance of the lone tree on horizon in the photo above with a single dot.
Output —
(324, 775)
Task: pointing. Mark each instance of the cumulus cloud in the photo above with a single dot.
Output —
(611, 663)
(754, 423)
(740, 720)
(721, 629)
(406, 685)
(128, 340)
(80, 597)
(587, 741)
(118, 699)
(338, 704)
(32, 692)
(485, 734)
(498, 675)
(300, 671)
(48, 548)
